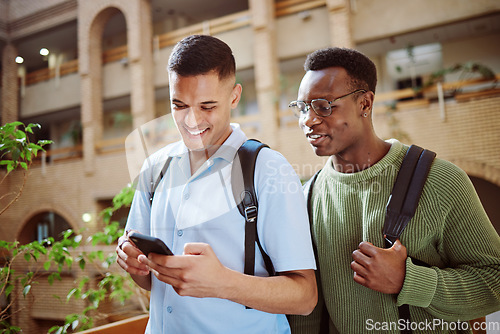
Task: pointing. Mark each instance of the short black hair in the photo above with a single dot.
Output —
(200, 54)
(359, 67)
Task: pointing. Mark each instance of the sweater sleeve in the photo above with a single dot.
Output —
(468, 285)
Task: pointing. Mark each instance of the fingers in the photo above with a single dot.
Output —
(360, 279)
(361, 257)
(196, 248)
(380, 269)
(359, 269)
(368, 248)
(127, 258)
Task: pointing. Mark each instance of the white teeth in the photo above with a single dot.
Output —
(196, 133)
(314, 136)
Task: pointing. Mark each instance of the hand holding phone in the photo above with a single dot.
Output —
(148, 244)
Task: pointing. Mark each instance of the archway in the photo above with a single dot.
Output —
(43, 225)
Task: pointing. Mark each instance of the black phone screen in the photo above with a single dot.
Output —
(148, 244)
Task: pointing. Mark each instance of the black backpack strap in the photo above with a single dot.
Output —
(403, 203)
(308, 190)
(246, 200)
(155, 184)
(406, 192)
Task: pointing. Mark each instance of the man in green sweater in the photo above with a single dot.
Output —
(362, 283)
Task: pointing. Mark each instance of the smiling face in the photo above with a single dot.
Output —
(345, 127)
(201, 107)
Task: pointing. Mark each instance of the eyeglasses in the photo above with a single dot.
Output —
(321, 107)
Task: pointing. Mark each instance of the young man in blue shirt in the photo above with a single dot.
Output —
(195, 214)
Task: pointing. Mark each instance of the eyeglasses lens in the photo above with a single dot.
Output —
(321, 107)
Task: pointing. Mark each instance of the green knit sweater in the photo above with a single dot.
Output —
(450, 231)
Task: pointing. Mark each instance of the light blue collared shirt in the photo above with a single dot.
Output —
(201, 208)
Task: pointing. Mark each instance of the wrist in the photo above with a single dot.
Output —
(228, 284)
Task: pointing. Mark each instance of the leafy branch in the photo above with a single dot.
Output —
(16, 151)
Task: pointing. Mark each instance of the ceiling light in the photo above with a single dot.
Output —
(44, 52)
(87, 217)
(19, 60)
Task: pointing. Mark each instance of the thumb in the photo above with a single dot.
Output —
(196, 248)
(399, 247)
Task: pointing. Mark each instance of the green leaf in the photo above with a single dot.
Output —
(19, 134)
(81, 263)
(52, 329)
(26, 290)
(27, 256)
(44, 142)
(35, 254)
(16, 123)
(8, 290)
(75, 324)
(10, 168)
(72, 292)
(34, 146)
(46, 265)
(52, 276)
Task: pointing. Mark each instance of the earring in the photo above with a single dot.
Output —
(365, 115)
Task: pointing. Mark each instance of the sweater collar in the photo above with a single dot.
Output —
(388, 165)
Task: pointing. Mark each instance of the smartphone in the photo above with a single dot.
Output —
(148, 244)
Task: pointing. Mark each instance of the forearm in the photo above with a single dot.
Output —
(289, 293)
(310, 324)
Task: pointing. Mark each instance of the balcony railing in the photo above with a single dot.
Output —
(214, 26)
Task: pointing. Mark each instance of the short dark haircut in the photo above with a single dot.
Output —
(359, 67)
(200, 54)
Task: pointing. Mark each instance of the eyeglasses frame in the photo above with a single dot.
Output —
(309, 105)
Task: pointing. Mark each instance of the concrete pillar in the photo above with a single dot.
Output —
(140, 54)
(266, 67)
(339, 14)
(90, 30)
(10, 85)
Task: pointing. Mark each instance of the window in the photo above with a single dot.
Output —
(43, 225)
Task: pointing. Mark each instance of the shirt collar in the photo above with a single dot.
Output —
(227, 151)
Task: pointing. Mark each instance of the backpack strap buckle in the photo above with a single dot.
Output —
(251, 213)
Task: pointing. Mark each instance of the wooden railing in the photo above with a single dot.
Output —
(419, 97)
(49, 73)
(111, 145)
(60, 154)
(413, 93)
(215, 26)
(287, 7)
